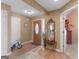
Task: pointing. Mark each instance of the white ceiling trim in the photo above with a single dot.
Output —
(51, 5)
(20, 6)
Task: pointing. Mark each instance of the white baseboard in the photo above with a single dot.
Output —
(27, 42)
(8, 54)
(59, 50)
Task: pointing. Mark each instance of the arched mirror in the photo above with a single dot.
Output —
(51, 34)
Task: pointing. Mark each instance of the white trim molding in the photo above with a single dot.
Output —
(27, 42)
(59, 50)
(8, 53)
(70, 9)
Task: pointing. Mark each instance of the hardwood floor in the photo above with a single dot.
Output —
(30, 51)
(72, 50)
(25, 48)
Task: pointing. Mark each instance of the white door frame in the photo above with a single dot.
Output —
(5, 43)
(62, 31)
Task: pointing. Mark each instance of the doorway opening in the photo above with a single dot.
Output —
(70, 32)
(38, 30)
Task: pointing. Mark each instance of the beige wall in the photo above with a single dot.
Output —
(73, 18)
(26, 31)
(56, 17)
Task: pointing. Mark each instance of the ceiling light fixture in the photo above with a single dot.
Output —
(55, 0)
(29, 12)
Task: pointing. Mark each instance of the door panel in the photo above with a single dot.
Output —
(37, 32)
(68, 31)
(3, 32)
(69, 37)
(15, 26)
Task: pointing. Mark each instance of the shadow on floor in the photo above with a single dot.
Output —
(4, 57)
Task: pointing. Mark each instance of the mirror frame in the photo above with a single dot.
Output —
(48, 26)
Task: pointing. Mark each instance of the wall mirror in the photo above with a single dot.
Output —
(51, 34)
(51, 30)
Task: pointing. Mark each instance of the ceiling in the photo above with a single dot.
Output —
(51, 5)
(19, 6)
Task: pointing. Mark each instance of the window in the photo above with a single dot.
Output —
(36, 28)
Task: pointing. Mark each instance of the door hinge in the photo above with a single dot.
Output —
(63, 46)
(63, 31)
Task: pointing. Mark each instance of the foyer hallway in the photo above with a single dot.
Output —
(34, 21)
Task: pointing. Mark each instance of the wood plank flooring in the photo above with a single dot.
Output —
(35, 52)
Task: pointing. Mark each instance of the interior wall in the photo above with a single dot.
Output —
(26, 29)
(73, 18)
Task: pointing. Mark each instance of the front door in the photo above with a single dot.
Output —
(37, 32)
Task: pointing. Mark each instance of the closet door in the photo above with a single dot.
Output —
(15, 29)
(3, 32)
